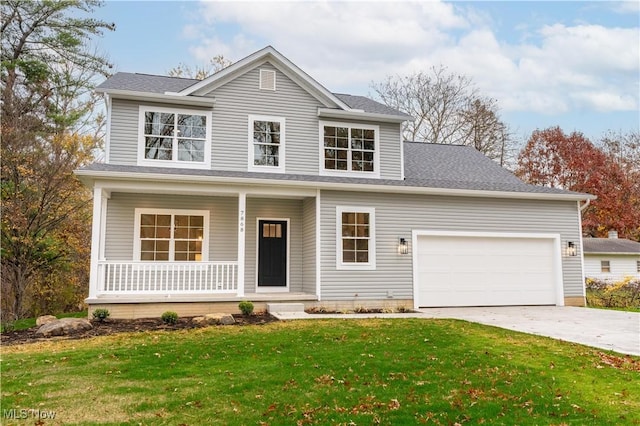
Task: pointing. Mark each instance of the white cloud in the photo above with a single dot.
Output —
(632, 6)
(346, 45)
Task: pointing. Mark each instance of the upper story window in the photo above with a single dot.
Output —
(174, 137)
(349, 149)
(605, 266)
(266, 143)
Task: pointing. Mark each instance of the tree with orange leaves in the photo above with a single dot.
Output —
(555, 159)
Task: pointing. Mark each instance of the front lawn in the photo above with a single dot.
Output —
(374, 371)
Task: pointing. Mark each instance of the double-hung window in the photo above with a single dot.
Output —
(171, 235)
(266, 143)
(174, 137)
(355, 237)
(605, 266)
(349, 149)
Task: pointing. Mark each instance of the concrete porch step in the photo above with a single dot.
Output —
(285, 307)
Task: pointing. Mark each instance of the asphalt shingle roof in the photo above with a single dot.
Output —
(369, 105)
(146, 83)
(610, 245)
(161, 84)
(427, 166)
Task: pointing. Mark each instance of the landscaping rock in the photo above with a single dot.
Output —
(198, 320)
(214, 319)
(64, 327)
(45, 319)
(223, 319)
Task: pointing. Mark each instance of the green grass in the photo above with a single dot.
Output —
(376, 371)
(23, 324)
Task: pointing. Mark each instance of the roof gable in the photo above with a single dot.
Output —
(275, 58)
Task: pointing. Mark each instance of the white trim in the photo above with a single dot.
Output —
(557, 254)
(263, 72)
(352, 114)
(107, 136)
(173, 212)
(281, 152)
(349, 173)
(318, 247)
(348, 266)
(242, 226)
(142, 161)
(402, 177)
(86, 176)
(96, 237)
(103, 226)
(167, 98)
(581, 252)
(273, 289)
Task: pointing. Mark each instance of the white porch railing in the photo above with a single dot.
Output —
(167, 277)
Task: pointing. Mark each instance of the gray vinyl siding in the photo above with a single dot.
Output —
(123, 134)
(309, 245)
(223, 222)
(268, 208)
(239, 98)
(397, 215)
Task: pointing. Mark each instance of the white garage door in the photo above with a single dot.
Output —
(480, 270)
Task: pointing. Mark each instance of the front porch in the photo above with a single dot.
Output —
(155, 245)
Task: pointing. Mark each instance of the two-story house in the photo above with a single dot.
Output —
(258, 183)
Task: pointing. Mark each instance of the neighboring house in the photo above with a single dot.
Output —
(611, 259)
(258, 183)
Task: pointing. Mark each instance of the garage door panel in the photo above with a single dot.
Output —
(485, 271)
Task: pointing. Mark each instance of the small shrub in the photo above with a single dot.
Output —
(7, 326)
(403, 309)
(101, 314)
(361, 309)
(169, 317)
(246, 307)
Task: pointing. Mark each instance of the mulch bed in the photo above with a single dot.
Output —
(113, 326)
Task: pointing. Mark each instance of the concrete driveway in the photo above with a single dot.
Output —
(615, 330)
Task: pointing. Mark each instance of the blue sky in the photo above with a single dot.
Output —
(573, 64)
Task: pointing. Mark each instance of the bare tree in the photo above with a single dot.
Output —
(217, 63)
(448, 110)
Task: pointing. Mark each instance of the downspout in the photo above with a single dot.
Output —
(585, 205)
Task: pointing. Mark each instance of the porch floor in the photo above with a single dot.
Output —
(188, 298)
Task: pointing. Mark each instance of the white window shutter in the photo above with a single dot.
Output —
(267, 80)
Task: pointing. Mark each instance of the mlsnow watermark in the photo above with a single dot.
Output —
(28, 413)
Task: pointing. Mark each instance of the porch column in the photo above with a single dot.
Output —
(242, 213)
(97, 239)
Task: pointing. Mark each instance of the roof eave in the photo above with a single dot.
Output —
(158, 97)
(619, 253)
(361, 115)
(90, 176)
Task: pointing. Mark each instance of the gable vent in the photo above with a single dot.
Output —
(267, 80)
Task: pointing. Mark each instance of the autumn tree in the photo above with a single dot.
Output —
(555, 159)
(47, 72)
(216, 63)
(447, 109)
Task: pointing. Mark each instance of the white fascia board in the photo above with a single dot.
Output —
(279, 61)
(611, 253)
(361, 115)
(89, 176)
(158, 97)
